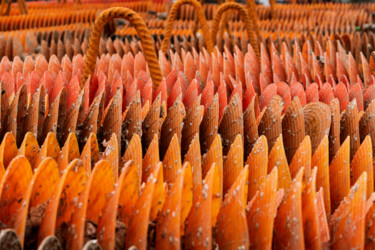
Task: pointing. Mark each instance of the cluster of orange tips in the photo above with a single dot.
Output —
(187, 126)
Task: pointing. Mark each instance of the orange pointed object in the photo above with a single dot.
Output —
(214, 155)
(270, 123)
(192, 120)
(50, 148)
(302, 159)
(29, 148)
(134, 153)
(293, 128)
(171, 126)
(232, 230)
(258, 163)
(310, 213)
(204, 210)
(111, 154)
(40, 190)
(231, 123)
(108, 221)
(334, 132)
(322, 216)
(233, 164)
(288, 232)
(150, 159)
(90, 153)
(277, 158)
(320, 160)
(350, 127)
(210, 124)
(193, 156)
(69, 152)
(261, 216)
(172, 161)
(14, 195)
(8, 149)
(132, 122)
(339, 175)
(363, 162)
(348, 221)
(138, 224)
(250, 126)
(70, 186)
(92, 199)
(171, 219)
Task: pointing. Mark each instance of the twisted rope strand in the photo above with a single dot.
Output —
(245, 18)
(170, 20)
(251, 6)
(143, 34)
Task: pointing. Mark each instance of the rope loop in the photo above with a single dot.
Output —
(201, 18)
(142, 31)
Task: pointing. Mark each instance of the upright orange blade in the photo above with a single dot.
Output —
(260, 217)
(288, 232)
(277, 158)
(339, 175)
(310, 213)
(232, 230)
(348, 221)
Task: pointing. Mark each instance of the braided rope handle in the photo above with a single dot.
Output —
(143, 34)
(272, 8)
(251, 6)
(245, 17)
(172, 16)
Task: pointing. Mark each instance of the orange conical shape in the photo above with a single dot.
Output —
(29, 148)
(258, 164)
(134, 153)
(350, 127)
(310, 213)
(14, 194)
(293, 128)
(320, 160)
(139, 221)
(214, 155)
(348, 221)
(231, 123)
(151, 158)
(270, 123)
(61, 205)
(233, 164)
(261, 216)
(8, 149)
(193, 156)
(172, 161)
(111, 154)
(69, 152)
(50, 148)
(363, 162)
(92, 199)
(322, 216)
(232, 231)
(171, 219)
(302, 158)
(198, 232)
(339, 175)
(210, 123)
(125, 186)
(278, 159)
(42, 186)
(288, 232)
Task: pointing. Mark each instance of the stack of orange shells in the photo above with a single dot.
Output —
(229, 150)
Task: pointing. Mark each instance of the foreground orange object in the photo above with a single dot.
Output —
(131, 147)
